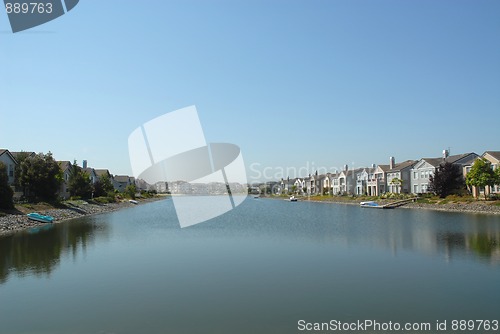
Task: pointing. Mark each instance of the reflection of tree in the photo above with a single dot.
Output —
(484, 244)
(39, 253)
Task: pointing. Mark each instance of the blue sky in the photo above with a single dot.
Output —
(293, 83)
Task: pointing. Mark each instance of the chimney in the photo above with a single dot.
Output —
(392, 162)
(84, 164)
(446, 153)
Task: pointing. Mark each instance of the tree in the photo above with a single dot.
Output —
(398, 183)
(130, 190)
(20, 159)
(6, 192)
(447, 180)
(79, 183)
(103, 186)
(481, 175)
(40, 177)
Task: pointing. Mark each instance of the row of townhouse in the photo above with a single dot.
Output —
(410, 176)
(10, 160)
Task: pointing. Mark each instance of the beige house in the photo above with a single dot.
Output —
(494, 158)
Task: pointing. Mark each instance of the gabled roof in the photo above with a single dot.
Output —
(17, 154)
(102, 172)
(402, 165)
(494, 154)
(122, 178)
(89, 171)
(64, 165)
(384, 168)
(5, 151)
(435, 162)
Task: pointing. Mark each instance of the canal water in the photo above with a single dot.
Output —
(261, 268)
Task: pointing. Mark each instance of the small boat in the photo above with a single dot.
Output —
(369, 204)
(40, 218)
(133, 201)
(293, 199)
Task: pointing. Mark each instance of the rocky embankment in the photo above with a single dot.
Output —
(468, 207)
(18, 221)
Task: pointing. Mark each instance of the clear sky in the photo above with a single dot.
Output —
(293, 83)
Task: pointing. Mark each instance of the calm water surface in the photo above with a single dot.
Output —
(258, 269)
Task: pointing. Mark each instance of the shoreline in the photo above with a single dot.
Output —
(475, 207)
(12, 223)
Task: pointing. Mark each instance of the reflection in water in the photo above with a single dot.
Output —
(38, 251)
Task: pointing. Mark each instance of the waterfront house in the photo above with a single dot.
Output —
(120, 182)
(398, 176)
(10, 163)
(346, 182)
(92, 174)
(299, 185)
(66, 168)
(361, 181)
(104, 173)
(426, 167)
(494, 158)
(377, 181)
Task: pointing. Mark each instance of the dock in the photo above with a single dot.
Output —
(391, 205)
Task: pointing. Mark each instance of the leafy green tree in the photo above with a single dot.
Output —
(398, 183)
(79, 183)
(20, 159)
(447, 180)
(103, 186)
(481, 175)
(6, 192)
(130, 191)
(40, 177)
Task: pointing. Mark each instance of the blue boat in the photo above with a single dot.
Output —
(40, 218)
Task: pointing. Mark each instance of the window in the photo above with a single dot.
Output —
(426, 174)
(422, 174)
(415, 175)
(11, 171)
(415, 188)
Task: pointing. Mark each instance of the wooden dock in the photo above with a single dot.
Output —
(392, 205)
(395, 204)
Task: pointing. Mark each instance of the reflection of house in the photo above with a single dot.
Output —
(10, 163)
(398, 176)
(66, 168)
(426, 167)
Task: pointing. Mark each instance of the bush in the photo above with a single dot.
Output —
(104, 200)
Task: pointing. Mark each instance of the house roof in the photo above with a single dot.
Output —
(494, 154)
(64, 165)
(5, 151)
(17, 154)
(451, 159)
(384, 168)
(101, 172)
(89, 170)
(122, 178)
(403, 165)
